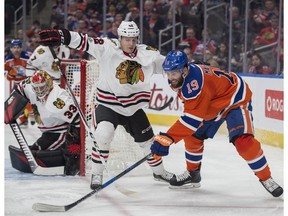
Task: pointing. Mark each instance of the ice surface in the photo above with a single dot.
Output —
(228, 187)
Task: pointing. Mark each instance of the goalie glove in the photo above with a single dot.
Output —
(161, 144)
(55, 37)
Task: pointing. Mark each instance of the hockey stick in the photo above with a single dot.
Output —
(35, 168)
(162, 107)
(42, 207)
(90, 132)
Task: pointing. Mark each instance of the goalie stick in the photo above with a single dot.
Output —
(42, 207)
(85, 123)
(162, 107)
(35, 168)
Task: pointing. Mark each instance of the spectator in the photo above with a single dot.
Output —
(113, 33)
(57, 12)
(119, 17)
(95, 24)
(269, 10)
(210, 59)
(237, 58)
(81, 26)
(163, 8)
(148, 7)
(156, 23)
(121, 7)
(131, 5)
(111, 13)
(258, 66)
(189, 53)
(210, 45)
(269, 34)
(190, 38)
(222, 56)
(261, 15)
(194, 15)
(34, 29)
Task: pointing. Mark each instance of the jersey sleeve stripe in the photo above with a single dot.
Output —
(191, 127)
(237, 97)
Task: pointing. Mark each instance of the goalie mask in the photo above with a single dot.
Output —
(42, 84)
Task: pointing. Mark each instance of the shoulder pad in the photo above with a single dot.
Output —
(193, 83)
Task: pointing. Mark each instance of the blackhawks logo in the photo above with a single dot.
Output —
(129, 72)
(59, 103)
(40, 51)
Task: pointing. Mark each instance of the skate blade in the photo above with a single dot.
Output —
(186, 186)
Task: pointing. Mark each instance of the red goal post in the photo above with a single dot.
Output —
(82, 76)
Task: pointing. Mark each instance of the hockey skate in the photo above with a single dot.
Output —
(186, 180)
(272, 187)
(96, 181)
(165, 177)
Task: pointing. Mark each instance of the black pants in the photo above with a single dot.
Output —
(137, 125)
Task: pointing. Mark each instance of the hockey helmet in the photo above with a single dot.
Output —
(42, 84)
(128, 29)
(175, 61)
(16, 43)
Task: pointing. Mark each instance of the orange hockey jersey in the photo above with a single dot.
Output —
(16, 67)
(208, 93)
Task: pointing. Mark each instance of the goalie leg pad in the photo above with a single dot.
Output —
(43, 158)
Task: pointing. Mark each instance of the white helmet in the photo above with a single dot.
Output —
(128, 29)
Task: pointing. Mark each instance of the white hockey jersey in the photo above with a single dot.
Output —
(56, 113)
(124, 80)
(42, 59)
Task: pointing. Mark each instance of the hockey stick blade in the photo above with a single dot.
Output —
(35, 168)
(59, 170)
(162, 107)
(42, 207)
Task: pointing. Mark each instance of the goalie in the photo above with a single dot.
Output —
(58, 120)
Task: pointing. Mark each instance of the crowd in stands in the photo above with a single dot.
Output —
(86, 16)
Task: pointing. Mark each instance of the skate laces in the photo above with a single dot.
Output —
(167, 175)
(270, 184)
(183, 176)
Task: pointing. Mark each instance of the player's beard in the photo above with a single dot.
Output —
(176, 85)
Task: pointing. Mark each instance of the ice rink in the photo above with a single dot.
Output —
(228, 187)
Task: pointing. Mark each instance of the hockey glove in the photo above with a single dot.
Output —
(161, 144)
(55, 37)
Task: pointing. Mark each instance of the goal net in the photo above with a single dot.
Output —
(82, 76)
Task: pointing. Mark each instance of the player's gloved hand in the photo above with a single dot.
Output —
(54, 37)
(161, 144)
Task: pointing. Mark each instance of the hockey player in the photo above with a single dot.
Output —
(57, 117)
(210, 96)
(42, 59)
(15, 67)
(122, 91)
